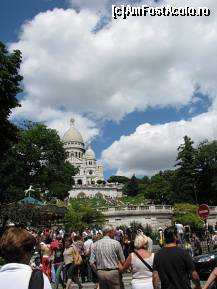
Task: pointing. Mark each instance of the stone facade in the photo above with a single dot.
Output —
(90, 175)
(90, 191)
(90, 171)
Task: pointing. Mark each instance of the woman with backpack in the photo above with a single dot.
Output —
(71, 256)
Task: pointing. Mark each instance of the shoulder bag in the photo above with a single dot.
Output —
(143, 261)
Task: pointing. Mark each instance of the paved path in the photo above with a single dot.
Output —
(127, 279)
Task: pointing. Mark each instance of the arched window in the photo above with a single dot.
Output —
(81, 195)
(79, 182)
(99, 195)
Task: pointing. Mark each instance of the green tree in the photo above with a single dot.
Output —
(184, 190)
(207, 172)
(80, 216)
(37, 159)
(118, 179)
(9, 88)
(186, 214)
(143, 184)
(131, 188)
(160, 188)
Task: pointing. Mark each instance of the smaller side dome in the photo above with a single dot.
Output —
(89, 154)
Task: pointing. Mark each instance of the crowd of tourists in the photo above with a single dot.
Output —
(58, 259)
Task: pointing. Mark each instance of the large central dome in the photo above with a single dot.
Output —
(72, 134)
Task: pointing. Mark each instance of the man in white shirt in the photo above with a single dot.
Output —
(87, 251)
(16, 247)
(15, 275)
(180, 231)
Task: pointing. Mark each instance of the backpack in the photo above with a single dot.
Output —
(77, 259)
(36, 280)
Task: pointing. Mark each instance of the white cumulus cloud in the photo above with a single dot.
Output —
(56, 119)
(128, 65)
(154, 147)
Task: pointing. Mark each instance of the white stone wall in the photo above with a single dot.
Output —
(92, 191)
(155, 216)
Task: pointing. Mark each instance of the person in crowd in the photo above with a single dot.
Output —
(180, 232)
(172, 265)
(37, 263)
(197, 249)
(188, 246)
(71, 269)
(187, 231)
(105, 257)
(126, 245)
(141, 261)
(46, 254)
(78, 242)
(119, 235)
(214, 240)
(212, 278)
(16, 247)
(87, 250)
(96, 238)
(57, 249)
(161, 237)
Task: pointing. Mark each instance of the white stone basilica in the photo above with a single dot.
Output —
(89, 180)
(90, 171)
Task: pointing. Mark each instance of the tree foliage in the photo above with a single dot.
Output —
(37, 159)
(160, 188)
(118, 179)
(131, 188)
(186, 172)
(80, 216)
(207, 172)
(9, 88)
(186, 214)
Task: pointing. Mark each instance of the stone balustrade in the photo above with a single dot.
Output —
(154, 215)
(104, 186)
(130, 208)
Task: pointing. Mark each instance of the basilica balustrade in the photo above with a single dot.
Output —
(104, 186)
(148, 208)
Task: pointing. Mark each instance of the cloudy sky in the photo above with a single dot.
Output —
(135, 87)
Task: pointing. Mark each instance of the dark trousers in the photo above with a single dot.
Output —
(72, 272)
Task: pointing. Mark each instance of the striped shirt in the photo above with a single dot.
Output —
(106, 254)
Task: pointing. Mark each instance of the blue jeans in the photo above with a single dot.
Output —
(59, 275)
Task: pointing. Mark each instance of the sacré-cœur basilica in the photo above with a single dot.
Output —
(89, 181)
